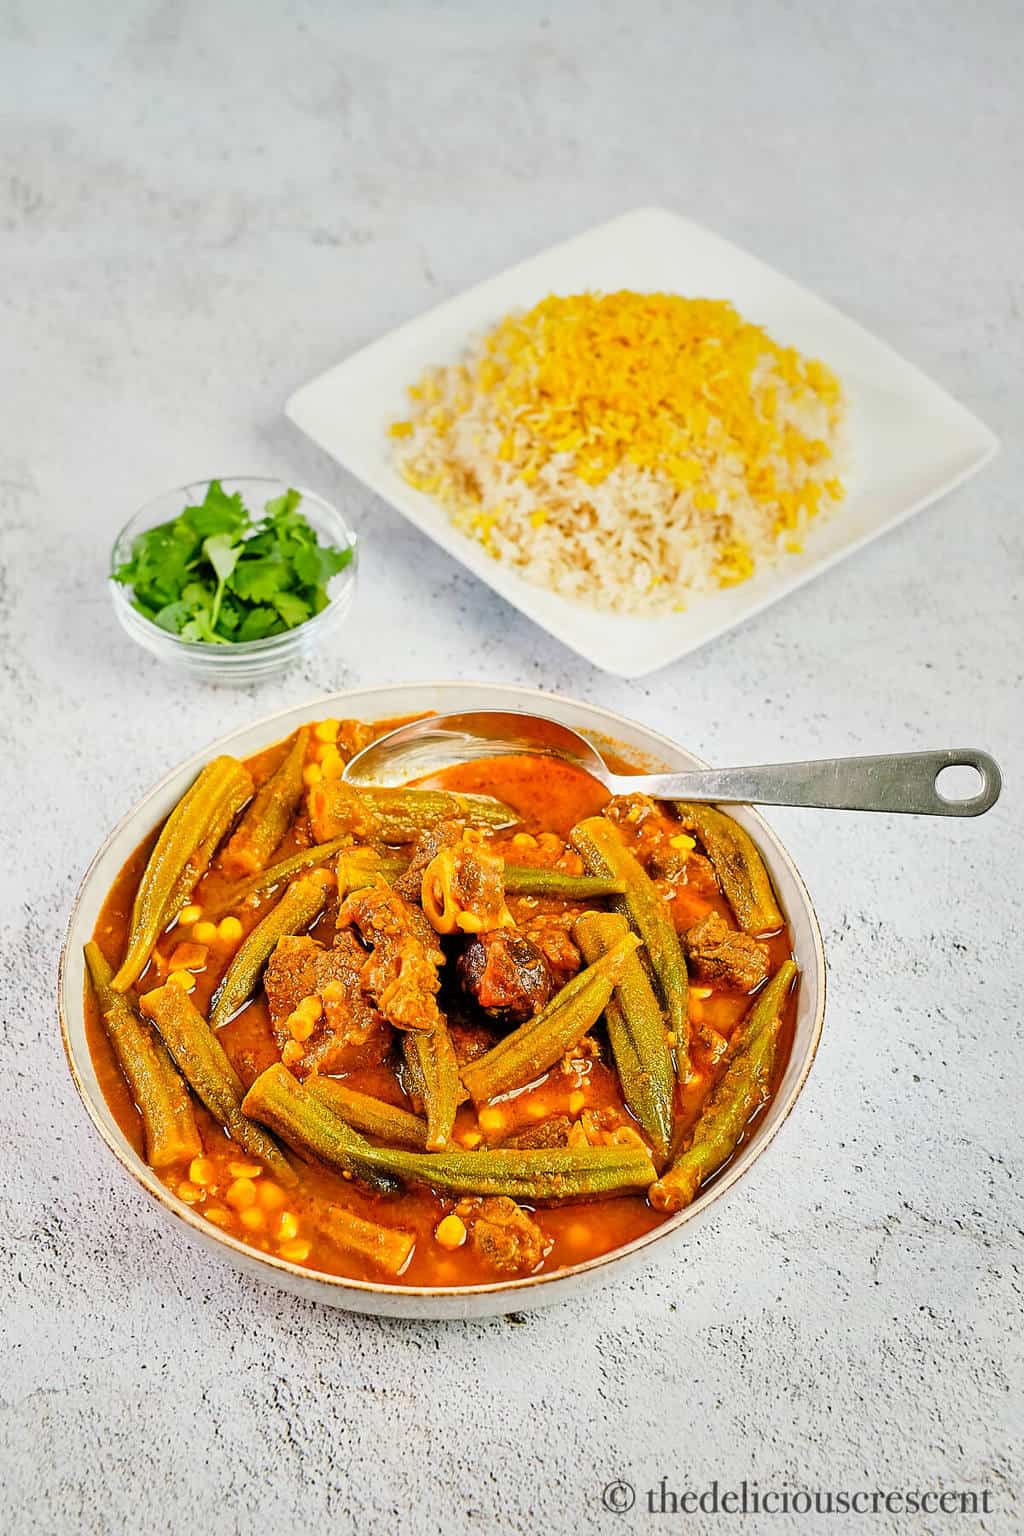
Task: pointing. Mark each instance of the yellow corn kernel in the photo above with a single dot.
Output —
(470, 1139)
(218, 1215)
(205, 932)
(287, 1227)
(450, 1231)
(251, 1218)
(327, 730)
(332, 764)
(292, 1053)
(311, 775)
(202, 1170)
(183, 979)
(295, 1253)
(700, 992)
(576, 1102)
(524, 840)
(269, 1195)
(189, 915)
(189, 1192)
(300, 1028)
(229, 929)
(245, 1170)
(240, 1194)
(490, 1119)
(682, 840)
(310, 1008)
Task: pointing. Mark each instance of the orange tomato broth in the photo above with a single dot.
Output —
(550, 796)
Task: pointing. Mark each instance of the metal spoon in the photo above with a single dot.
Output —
(904, 782)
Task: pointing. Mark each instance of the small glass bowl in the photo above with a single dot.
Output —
(251, 660)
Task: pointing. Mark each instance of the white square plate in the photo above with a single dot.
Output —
(910, 441)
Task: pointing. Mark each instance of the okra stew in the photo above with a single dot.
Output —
(486, 1026)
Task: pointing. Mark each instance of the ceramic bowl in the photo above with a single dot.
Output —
(645, 746)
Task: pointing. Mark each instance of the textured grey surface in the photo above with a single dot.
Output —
(202, 206)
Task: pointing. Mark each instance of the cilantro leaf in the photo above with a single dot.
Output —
(315, 565)
(259, 579)
(259, 623)
(293, 609)
(219, 513)
(222, 553)
(280, 506)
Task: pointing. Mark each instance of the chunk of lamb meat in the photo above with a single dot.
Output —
(549, 932)
(469, 1041)
(507, 975)
(462, 889)
(631, 811)
(503, 1234)
(717, 952)
(604, 1128)
(556, 1132)
(400, 974)
(681, 866)
(351, 1032)
(446, 834)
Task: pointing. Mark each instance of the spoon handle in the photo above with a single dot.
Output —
(904, 782)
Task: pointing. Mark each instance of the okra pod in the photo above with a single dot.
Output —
(402, 814)
(742, 1089)
(541, 1041)
(740, 868)
(371, 1116)
(181, 856)
(524, 880)
(387, 1248)
(604, 853)
(270, 814)
(360, 866)
(293, 914)
(308, 1125)
(543, 1176)
(636, 1030)
(434, 1079)
(165, 1109)
(766, 1007)
(277, 874)
(205, 1066)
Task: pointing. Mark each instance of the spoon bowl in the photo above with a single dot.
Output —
(902, 782)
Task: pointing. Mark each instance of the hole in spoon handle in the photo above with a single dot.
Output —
(986, 769)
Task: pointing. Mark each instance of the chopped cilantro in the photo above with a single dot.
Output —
(216, 575)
